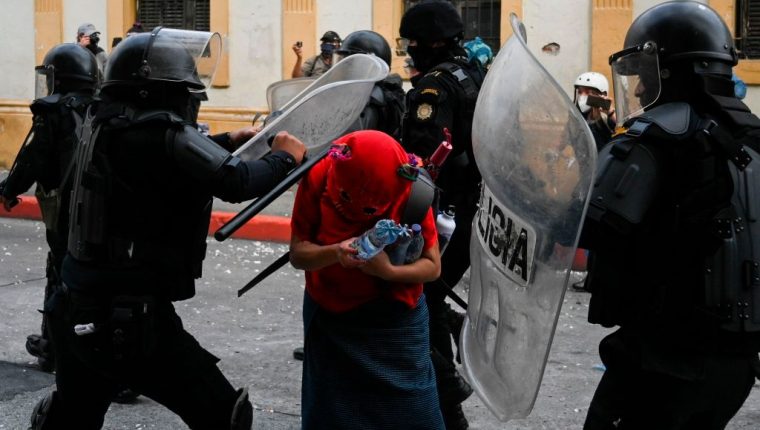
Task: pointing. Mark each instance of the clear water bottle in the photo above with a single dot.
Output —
(397, 253)
(445, 225)
(372, 241)
(416, 243)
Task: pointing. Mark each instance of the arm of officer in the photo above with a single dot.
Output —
(228, 177)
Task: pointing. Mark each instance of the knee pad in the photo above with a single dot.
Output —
(242, 412)
(43, 413)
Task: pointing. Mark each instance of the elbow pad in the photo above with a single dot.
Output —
(203, 158)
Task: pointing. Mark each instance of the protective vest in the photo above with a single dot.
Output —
(46, 158)
(693, 184)
(134, 205)
(468, 82)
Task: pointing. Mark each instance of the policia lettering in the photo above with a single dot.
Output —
(511, 242)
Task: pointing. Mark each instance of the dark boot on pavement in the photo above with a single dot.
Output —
(454, 418)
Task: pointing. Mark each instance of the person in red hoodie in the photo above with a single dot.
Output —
(367, 362)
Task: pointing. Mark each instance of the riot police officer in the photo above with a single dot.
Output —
(385, 109)
(141, 203)
(672, 223)
(65, 85)
(443, 97)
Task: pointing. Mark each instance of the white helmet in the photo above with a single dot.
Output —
(593, 80)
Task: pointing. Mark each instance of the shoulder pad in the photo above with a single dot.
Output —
(673, 119)
(44, 103)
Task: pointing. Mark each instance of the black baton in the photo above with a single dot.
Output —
(262, 202)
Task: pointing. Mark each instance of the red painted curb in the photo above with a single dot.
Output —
(263, 227)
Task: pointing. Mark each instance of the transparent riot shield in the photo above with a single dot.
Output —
(326, 108)
(281, 92)
(537, 158)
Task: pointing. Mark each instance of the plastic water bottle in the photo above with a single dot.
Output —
(397, 254)
(416, 243)
(372, 241)
(445, 225)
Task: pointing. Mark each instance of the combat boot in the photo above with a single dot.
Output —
(454, 418)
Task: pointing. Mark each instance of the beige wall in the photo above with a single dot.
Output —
(17, 44)
(343, 16)
(78, 12)
(541, 18)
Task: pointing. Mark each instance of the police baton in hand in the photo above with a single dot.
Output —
(262, 202)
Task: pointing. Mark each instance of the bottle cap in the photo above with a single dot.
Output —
(416, 228)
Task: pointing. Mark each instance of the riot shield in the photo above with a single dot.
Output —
(537, 158)
(281, 92)
(326, 108)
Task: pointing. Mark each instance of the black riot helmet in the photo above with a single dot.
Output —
(667, 48)
(364, 42)
(430, 21)
(66, 67)
(168, 57)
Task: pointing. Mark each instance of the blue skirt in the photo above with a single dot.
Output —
(368, 368)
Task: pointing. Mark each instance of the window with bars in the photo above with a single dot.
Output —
(185, 14)
(748, 28)
(481, 18)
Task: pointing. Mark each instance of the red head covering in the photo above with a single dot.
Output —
(366, 172)
(364, 178)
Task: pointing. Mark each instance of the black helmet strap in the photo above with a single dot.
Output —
(144, 70)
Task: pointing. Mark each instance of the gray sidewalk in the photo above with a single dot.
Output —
(254, 337)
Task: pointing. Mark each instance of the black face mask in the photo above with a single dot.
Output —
(425, 57)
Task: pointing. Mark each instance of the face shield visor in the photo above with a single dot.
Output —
(636, 79)
(183, 56)
(44, 83)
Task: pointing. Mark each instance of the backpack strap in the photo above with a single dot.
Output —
(420, 199)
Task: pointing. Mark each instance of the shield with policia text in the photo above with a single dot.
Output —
(325, 109)
(537, 158)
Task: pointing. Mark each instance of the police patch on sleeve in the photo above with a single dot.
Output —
(424, 111)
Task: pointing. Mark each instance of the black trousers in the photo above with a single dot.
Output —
(149, 352)
(637, 392)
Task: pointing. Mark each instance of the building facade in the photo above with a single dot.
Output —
(568, 36)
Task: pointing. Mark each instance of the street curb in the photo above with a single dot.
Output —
(268, 228)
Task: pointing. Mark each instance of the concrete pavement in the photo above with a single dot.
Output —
(254, 336)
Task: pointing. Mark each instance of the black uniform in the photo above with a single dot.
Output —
(670, 358)
(158, 211)
(141, 205)
(445, 98)
(46, 159)
(672, 225)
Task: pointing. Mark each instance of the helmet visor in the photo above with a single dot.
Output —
(44, 81)
(197, 68)
(636, 79)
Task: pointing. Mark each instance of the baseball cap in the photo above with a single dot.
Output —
(87, 29)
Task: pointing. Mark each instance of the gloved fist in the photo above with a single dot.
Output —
(290, 144)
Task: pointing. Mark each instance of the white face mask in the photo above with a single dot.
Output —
(582, 103)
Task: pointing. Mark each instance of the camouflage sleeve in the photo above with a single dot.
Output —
(307, 68)
(429, 111)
